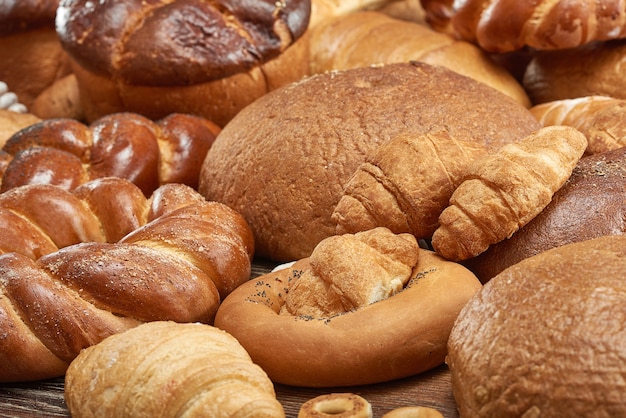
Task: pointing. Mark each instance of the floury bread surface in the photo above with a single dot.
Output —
(283, 161)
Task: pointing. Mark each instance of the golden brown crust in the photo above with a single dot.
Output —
(341, 405)
(207, 373)
(507, 25)
(289, 205)
(179, 256)
(590, 204)
(67, 153)
(12, 122)
(410, 328)
(516, 350)
(505, 190)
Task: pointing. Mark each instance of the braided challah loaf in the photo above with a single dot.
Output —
(67, 153)
(509, 25)
(79, 266)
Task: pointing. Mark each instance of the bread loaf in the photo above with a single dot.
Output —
(321, 130)
(589, 205)
(12, 122)
(179, 57)
(508, 25)
(365, 38)
(504, 191)
(79, 266)
(545, 337)
(594, 69)
(600, 118)
(67, 153)
(169, 369)
(410, 327)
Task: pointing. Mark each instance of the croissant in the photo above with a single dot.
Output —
(405, 183)
(505, 190)
(509, 25)
(365, 38)
(600, 118)
(167, 369)
(67, 153)
(79, 266)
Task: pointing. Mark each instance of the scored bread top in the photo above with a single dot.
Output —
(178, 42)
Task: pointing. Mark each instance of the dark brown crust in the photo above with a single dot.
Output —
(24, 15)
(179, 42)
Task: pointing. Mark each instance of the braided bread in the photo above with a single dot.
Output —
(509, 25)
(67, 153)
(79, 266)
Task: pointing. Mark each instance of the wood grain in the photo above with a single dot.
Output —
(432, 388)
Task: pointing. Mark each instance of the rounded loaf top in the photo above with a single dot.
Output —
(178, 42)
(19, 16)
(282, 161)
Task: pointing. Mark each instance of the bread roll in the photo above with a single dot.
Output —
(169, 369)
(283, 161)
(546, 336)
(509, 25)
(589, 205)
(12, 122)
(410, 326)
(594, 69)
(31, 56)
(79, 266)
(67, 153)
(182, 56)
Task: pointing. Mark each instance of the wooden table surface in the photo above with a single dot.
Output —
(432, 388)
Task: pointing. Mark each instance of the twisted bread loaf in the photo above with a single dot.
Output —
(504, 191)
(79, 266)
(600, 118)
(67, 153)
(509, 25)
(207, 373)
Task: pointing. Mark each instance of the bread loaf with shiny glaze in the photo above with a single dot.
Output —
(79, 266)
(67, 153)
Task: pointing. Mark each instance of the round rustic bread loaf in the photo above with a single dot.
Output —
(590, 204)
(283, 160)
(546, 337)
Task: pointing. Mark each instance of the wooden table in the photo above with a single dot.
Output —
(432, 388)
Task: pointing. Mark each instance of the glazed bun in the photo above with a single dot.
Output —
(283, 161)
(157, 59)
(545, 337)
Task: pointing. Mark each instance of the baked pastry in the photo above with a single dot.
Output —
(507, 189)
(365, 38)
(387, 189)
(289, 204)
(67, 153)
(79, 266)
(336, 404)
(410, 326)
(600, 118)
(508, 25)
(12, 122)
(31, 56)
(207, 373)
(589, 205)
(545, 337)
(204, 58)
(589, 70)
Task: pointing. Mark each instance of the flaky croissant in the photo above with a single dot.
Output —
(509, 25)
(600, 118)
(504, 191)
(79, 266)
(170, 370)
(405, 183)
(67, 153)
